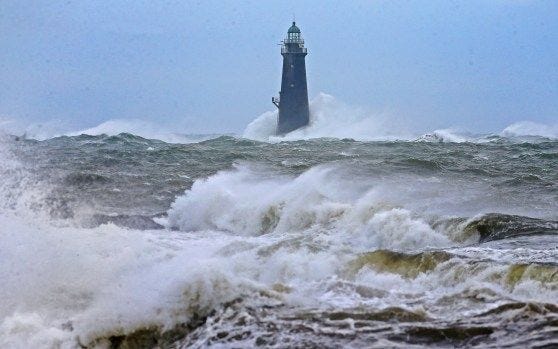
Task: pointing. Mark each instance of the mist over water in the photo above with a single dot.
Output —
(330, 118)
(350, 233)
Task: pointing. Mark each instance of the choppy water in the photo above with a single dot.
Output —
(127, 242)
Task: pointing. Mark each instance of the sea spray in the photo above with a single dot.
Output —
(533, 129)
(239, 202)
(325, 241)
(331, 118)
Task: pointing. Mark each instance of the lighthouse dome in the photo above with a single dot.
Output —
(293, 29)
(294, 36)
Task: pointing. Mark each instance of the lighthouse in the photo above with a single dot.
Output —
(293, 97)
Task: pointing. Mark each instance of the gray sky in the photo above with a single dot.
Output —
(212, 66)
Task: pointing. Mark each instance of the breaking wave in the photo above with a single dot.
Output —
(330, 118)
(143, 129)
(257, 256)
(529, 128)
(66, 286)
(242, 202)
(448, 136)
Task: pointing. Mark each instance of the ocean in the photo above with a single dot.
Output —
(122, 241)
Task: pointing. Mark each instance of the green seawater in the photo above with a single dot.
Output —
(322, 243)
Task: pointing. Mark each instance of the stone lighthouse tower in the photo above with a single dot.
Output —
(293, 97)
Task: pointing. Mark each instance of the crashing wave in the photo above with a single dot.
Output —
(529, 128)
(115, 127)
(444, 136)
(243, 202)
(143, 129)
(330, 118)
(260, 258)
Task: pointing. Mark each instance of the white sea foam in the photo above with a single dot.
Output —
(529, 128)
(19, 191)
(240, 232)
(99, 280)
(448, 135)
(63, 285)
(242, 202)
(331, 118)
(37, 130)
(143, 129)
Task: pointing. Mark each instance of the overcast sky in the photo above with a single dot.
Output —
(212, 66)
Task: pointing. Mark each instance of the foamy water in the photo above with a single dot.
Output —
(329, 118)
(332, 118)
(228, 242)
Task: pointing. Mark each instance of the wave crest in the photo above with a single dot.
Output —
(143, 129)
(529, 128)
(330, 118)
(319, 200)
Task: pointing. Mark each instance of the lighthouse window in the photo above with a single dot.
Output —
(292, 85)
(292, 65)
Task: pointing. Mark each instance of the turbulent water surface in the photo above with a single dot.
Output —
(120, 241)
